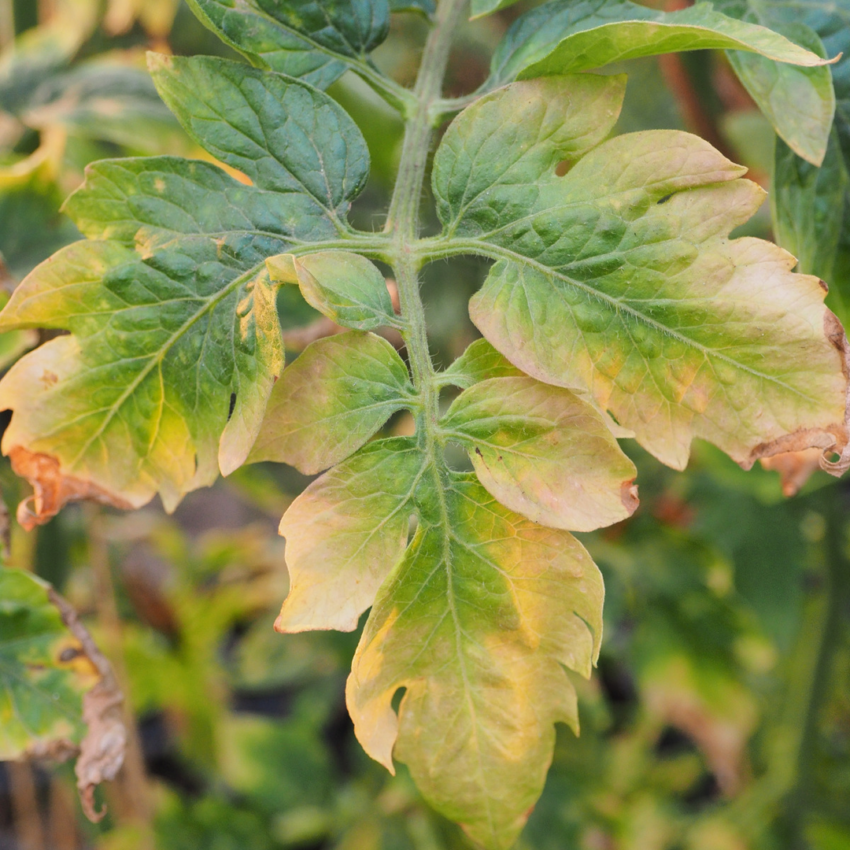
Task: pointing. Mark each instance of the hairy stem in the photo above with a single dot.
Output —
(403, 219)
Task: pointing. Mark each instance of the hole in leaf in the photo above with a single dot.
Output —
(664, 199)
(398, 696)
(232, 406)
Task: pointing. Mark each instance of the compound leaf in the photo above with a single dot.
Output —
(545, 453)
(567, 36)
(477, 623)
(175, 341)
(345, 533)
(345, 287)
(331, 400)
(312, 40)
(619, 280)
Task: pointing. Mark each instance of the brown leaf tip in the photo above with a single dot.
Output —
(629, 496)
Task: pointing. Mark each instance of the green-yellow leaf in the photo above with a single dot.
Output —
(345, 287)
(545, 453)
(477, 623)
(331, 400)
(619, 280)
(576, 35)
(345, 533)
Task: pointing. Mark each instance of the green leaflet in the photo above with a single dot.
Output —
(618, 280)
(425, 7)
(807, 204)
(175, 339)
(345, 287)
(312, 39)
(544, 453)
(475, 623)
(808, 208)
(43, 671)
(576, 35)
(284, 135)
(331, 401)
(799, 102)
(479, 362)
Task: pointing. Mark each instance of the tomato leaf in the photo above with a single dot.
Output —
(345, 287)
(332, 400)
(175, 342)
(799, 102)
(619, 279)
(477, 623)
(567, 36)
(544, 453)
(315, 41)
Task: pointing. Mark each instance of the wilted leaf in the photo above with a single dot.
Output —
(544, 452)
(345, 287)
(619, 279)
(315, 41)
(475, 623)
(57, 692)
(175, 339)
(332, 400)
(575, 35)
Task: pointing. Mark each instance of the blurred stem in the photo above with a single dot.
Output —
(784, 794)
(28, 826)
(135, 802)
(836, 593)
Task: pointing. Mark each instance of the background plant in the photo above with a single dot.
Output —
(318, 282)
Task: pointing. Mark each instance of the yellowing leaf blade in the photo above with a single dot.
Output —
(332, 400)
(477, 624)
(544, 453)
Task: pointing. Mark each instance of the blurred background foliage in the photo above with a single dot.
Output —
(719, 718)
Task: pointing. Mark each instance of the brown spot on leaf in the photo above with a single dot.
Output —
(53, 490)
(49, 378)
